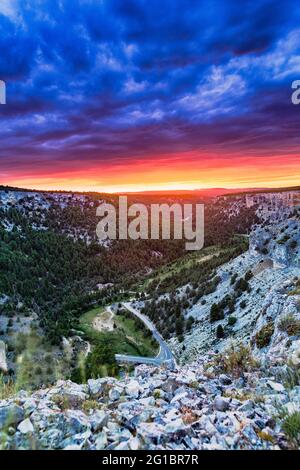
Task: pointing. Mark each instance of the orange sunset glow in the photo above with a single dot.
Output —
(183, 172)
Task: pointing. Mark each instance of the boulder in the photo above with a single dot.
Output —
(10, 415)
(221, 404)
(133, 389)
(26, 427)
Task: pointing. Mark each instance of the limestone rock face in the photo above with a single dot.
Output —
(273, 259)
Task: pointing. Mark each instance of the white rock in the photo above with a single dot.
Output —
(175, 426)
(101, 441)
(221, 404)
(95, 386)
(114, 394)
(134, 443)
(295, 358)
(133, 389)
(148, 401)
(98, 420)
(26, 426)
(276, 386)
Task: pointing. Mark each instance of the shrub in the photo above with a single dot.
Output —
(38, 370)
(101, 361)
(157, 394)
(236, 360)
(264, 436)
(220, 332)
(89, 405)
(7, 387)
(232, 321)
(248, 275)
(291, 378)
(63, 402)
(241, 285)
(216, 313)
(291, 427)
(263, 336)
(289, 325)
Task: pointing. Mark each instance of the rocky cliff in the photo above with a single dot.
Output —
(228, 402)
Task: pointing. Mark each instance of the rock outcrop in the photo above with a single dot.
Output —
(194, 407)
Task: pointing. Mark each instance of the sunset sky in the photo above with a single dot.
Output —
(116, 95)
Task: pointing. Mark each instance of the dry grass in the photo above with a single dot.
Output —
(236, 360)
(290, 325)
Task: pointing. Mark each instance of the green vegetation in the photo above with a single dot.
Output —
(86, 324)
(283, 240)
(220, 332)
(137, 333)
(216, 313)
(291, 377)
(190, 260)
(37, 363)
(51, 275)
(168, 313)
(130, 336)
(196, 268)
(232, 321)
(56, 276)
(101, 362)
(291, 428)
(264, 335)
(296, 291)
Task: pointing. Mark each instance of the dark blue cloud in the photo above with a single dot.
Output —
(123, 79)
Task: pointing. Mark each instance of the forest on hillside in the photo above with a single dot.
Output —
(48, 268)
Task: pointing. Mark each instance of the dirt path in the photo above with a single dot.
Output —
(208, 257)
(104, 321)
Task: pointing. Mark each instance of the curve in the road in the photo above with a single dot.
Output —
(164, 356)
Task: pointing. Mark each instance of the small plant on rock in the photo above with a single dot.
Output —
(90, 405)
(236, 360)
(291, 428)
(264, 335)
(232, 320)
(290, 325)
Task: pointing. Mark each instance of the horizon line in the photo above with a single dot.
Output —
(147, 191)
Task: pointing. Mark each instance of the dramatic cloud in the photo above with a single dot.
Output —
(105, 93)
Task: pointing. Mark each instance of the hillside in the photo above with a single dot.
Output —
(230, 314)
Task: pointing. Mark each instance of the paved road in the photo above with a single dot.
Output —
(164, 356)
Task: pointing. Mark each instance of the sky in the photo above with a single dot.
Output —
(117, 95)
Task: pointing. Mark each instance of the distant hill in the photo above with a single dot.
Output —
(210, 192)
(266, 190)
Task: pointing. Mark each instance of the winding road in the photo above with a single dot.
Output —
(164, 356)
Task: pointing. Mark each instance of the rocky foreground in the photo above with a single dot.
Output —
(252, 406)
